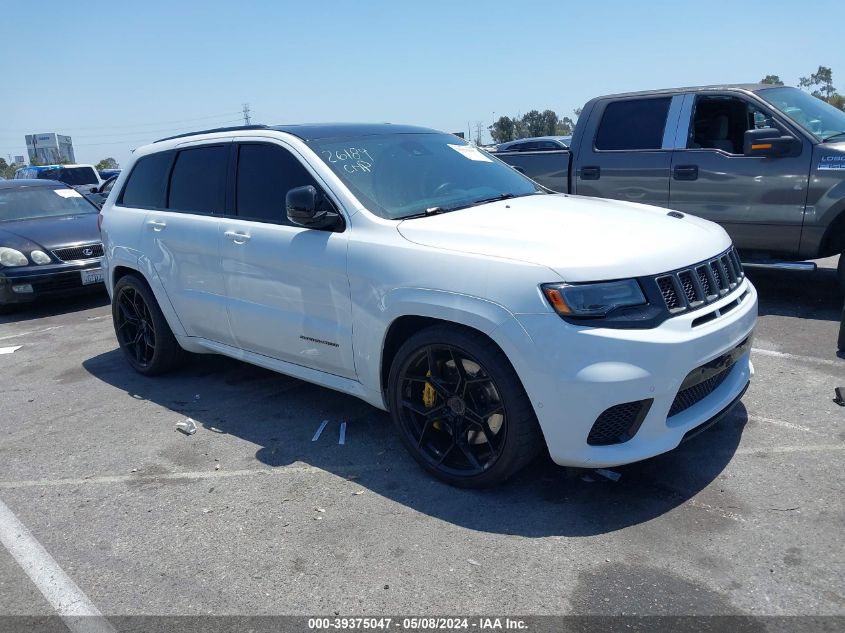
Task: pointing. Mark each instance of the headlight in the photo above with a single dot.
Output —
(39, 257)
(593, 300)
(11, 257)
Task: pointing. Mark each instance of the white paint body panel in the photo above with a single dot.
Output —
(479, 267)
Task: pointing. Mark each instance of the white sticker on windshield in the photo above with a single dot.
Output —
(67, 193)
(470, 152)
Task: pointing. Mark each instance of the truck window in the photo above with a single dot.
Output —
(720, 122)
(198, 181)
(633, 125)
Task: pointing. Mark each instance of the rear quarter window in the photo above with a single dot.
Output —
(146, 185)
(633, 125)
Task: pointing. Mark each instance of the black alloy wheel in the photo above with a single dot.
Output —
(141, 329)
(134, 327)
(460, 408)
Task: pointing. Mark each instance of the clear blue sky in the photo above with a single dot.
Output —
(114, 75)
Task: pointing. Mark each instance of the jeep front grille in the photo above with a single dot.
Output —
(691, 288)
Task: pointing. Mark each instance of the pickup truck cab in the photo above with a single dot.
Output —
(765, 162)
(405, 267)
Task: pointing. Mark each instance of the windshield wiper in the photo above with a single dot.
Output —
(832, 136)
(439, 210)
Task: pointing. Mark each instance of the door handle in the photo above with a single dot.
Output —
(156, 225)
(590, 173)
(237, 238)
(685, 172)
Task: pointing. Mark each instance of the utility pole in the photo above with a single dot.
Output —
(246, 114)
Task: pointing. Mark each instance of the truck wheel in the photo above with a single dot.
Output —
(460, 408)
(142, 331)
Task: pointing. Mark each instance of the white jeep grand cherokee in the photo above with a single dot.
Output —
(403, 266)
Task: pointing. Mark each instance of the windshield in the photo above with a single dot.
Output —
(41, 202)
(402, 175)
(70, 175)
(818, 117)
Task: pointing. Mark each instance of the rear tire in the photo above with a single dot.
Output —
(840, 271)
(460, 408)
(141, 329)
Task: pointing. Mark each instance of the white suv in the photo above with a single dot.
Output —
(408, 268)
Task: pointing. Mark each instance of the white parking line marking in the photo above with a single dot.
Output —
(204, 474)
(787, 425)
(10, 350)
(342, 439)
(805, 359)
(812, 448)
(46, 329)
(319, 431)
(78, 612)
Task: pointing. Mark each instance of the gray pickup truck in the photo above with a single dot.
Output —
(766, 162)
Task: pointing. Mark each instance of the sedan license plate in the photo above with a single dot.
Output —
(92, 276)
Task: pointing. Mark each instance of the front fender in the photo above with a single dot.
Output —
(371, 327)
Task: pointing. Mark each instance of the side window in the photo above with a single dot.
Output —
(720, 122)
(198, 181)
(265, 175)
(146, 184)
(633, 125)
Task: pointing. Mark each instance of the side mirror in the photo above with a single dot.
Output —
(93, 190)
(309, 208)
(768, 141)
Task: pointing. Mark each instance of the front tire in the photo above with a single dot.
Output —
(840, 272)
(460, 408)
(141, 329)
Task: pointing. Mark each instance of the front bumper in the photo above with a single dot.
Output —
(48, 281)
(574, 374)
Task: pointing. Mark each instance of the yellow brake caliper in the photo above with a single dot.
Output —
(429, 396)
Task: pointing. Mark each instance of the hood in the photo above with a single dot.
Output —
(51, 233)
(581, 239)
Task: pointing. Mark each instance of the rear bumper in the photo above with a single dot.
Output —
(47, 282)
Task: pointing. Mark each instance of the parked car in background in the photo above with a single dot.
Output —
(80, 177)
(49, 242)
(98, 195)
(491, 318)
(766, 162)
(535, 144)
(105, 174)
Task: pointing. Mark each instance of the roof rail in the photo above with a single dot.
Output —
(217, 129)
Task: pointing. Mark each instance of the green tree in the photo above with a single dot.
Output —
(550, 123)
(773, 80)
(820, 83)
(3, 166)
(533, 123)
(503, 130)
(107, 163)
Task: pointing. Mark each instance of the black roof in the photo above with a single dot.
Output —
(311, 131)
(30, 182)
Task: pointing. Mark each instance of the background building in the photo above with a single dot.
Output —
(46, 149)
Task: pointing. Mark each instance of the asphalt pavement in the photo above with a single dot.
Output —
(250, 516)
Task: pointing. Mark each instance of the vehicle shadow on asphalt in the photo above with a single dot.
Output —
(280, 415)
(55, 307)
(792, 293)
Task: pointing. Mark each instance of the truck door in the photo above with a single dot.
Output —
(758, 200)
(626, 150)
